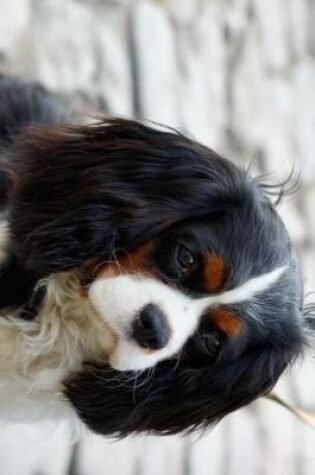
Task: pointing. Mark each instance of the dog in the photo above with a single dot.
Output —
(147, 283)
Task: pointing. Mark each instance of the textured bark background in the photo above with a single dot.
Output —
(239, 75)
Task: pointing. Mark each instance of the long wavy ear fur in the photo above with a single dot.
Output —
(175, 399)
(82, 191)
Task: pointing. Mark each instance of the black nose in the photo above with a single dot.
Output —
(150, 329)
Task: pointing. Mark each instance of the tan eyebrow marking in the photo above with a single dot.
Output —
(213, 275)
(226, 321)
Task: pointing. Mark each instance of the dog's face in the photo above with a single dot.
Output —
(182, 255)
(217, 316)
(196, 292)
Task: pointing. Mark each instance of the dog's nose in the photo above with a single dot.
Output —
(150, 330)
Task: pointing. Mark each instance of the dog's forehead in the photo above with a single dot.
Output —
(250, 290)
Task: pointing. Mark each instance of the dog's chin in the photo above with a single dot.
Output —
(119, 364)
(134, 362)
(127, 356)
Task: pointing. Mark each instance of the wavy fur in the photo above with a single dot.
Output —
(109, 206)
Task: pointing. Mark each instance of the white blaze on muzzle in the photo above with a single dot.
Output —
(119, 299)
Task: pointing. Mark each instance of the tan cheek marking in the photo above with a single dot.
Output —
(134, 262)
(129, 263)
(226, 321)
(213, 276)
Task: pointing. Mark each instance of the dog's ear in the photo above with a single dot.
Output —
(172, 399)
(82, 191)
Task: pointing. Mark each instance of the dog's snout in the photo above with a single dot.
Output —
(150, 330)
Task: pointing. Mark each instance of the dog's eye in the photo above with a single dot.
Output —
(213, 344)
(185, 259)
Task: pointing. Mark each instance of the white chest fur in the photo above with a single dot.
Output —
(36, 356)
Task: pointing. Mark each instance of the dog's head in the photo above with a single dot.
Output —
(180, 253)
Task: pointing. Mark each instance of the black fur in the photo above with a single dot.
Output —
(16, 283)
(113, 185)
(21, 106)
(78, 193)
(175, 398)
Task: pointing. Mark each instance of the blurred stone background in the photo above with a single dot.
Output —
(238, 75)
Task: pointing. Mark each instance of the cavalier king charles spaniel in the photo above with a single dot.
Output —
(146, 283)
